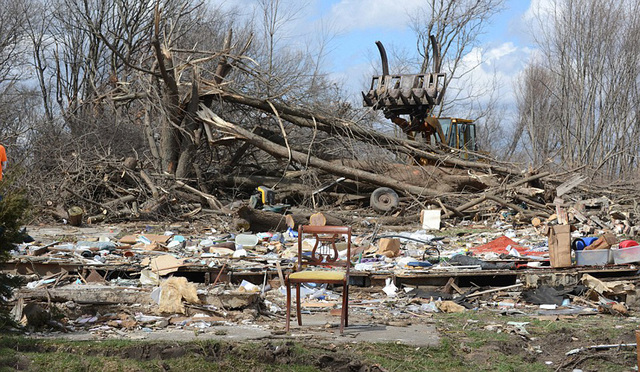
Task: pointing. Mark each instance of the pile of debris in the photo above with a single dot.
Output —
(107, 281)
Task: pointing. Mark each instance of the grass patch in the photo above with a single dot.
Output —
(479, 341)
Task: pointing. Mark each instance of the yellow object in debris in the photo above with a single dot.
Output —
(174, 290)
(318, 275)
(450, 307)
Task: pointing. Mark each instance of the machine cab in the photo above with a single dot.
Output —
(460, 134)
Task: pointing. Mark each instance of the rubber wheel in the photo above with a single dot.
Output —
(383, 199)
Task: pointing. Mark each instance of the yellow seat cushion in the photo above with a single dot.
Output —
(318, 275)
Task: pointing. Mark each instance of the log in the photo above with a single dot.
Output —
(466, 206)
(304, 216)
(433, 177)
(145, 177)
(130, 163)
(260, 221)
(153, 205)
(96, 219)
(122, 213)
(253, 181)
(75, 216)
(58, 212)
(114, 202)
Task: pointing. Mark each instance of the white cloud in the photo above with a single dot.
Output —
(497, 53)
(364, 14)
(492, 69)
(539, 9)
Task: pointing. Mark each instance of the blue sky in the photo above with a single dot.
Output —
(504, 48)
(354, 26)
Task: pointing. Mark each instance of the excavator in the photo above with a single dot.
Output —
(415, 96)
(409, 101)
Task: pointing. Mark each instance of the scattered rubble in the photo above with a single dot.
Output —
(198, 277)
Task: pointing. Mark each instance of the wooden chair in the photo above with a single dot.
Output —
(324, 254)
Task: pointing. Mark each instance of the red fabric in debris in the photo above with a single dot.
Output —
(628, 243)
(499, 246)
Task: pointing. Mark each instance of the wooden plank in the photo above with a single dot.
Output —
(447, 287)
(570, 184)
(89, 294)
(476, 294)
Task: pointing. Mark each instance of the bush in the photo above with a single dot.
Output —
(13, 209)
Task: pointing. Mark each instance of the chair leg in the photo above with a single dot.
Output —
(344, 311)
(345, 305)
(298, 305)
(288, 303)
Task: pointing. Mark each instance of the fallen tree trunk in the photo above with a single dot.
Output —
(260, 220)
(210, 118)
(352, 130)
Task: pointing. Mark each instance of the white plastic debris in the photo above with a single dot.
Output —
(390, 289)
(148, 277)
(512, 251)
(363, 266)
(155, 295)
(36, 284)
(249, 287)
(241, 252)
(430, 307)
(206, 243)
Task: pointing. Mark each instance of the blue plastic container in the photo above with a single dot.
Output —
(580, 243)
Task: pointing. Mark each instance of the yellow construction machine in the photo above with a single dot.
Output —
(415, 96)
(408, 100)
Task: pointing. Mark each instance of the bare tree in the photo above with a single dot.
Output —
(581, 96)
(11, 49)
(13, 54)
(537, 107)
(455, 25)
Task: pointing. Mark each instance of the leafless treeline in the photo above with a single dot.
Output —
(84, 80)
(579, 98)
(107, 79)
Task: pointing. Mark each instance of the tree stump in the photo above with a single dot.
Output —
(75, 216)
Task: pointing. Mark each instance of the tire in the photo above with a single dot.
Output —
(384, 199)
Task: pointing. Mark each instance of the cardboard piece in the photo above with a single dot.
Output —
(603, 242)
(617, 287)
(430, 219)
(559, 245)
(165, 264)
(389, 247)
(133, 239)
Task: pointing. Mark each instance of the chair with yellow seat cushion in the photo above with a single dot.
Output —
(333, 271)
